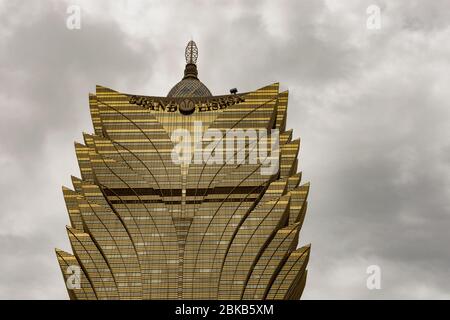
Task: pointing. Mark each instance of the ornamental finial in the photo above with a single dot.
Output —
(191, 53)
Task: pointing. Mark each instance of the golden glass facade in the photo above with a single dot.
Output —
(146, 227)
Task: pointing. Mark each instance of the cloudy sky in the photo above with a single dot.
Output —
(370, 105)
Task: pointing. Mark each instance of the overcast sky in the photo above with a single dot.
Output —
(371, 107)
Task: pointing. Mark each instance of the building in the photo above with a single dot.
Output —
(164, 209)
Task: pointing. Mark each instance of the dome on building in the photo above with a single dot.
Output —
(190, 85)
(189, 88)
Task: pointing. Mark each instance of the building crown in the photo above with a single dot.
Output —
(190, 85)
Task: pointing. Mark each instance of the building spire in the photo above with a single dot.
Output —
(191, 55)
(190, 85)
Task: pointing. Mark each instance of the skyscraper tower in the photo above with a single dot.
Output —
(189, 196)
